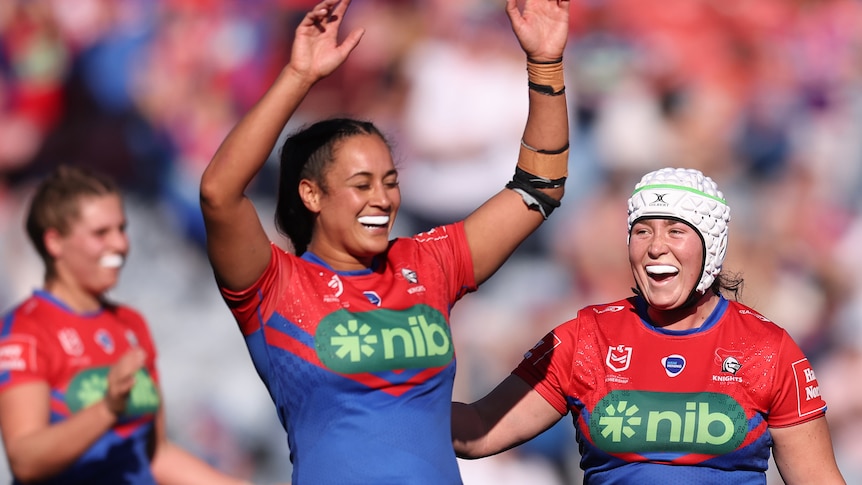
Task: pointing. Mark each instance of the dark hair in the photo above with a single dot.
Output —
(729, 285)
(55, 204)
(307, 154)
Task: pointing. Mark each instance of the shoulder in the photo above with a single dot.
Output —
(598, 314)
(31, 313)
(454, 231)
(32, 324)
(752, 320)
(125, 313)
(438, 243)
(607, 311)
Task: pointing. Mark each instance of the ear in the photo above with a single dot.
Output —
(53, 243)
(310, 194)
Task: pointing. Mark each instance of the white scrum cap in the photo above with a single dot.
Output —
(688, 195)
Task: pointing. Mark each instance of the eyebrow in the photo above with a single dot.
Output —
(366, 173)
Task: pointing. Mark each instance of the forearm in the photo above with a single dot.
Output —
(173, 465)
(542, 31)
(509, 415)
(468, 431)
(547, 125)
(52, 449)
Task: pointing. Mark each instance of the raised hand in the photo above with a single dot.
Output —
(121, 379)
(316, 51)
(542, 27)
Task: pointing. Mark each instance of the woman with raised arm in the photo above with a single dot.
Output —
(676, 384)
(350, 331)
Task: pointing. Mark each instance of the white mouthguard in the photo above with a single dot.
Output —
(374, 220)
(661, 269)
(112, 261)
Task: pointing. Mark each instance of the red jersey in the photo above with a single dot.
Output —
(43, 340)
(360, 364)
(662, 406)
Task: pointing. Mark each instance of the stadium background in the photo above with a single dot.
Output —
(763, 95)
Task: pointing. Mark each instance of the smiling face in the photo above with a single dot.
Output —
(88, 256)
(666, 257)
(357, 205)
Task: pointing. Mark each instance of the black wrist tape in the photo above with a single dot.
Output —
(545, 89)
(528, 185)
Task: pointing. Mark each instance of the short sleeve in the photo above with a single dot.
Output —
(797, 393)
(544, 368)
(249, 306)
(23, 358)
(449, 247)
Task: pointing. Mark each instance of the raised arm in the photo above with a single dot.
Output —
(496, 229)
(509, 415)
(237, 244)
(803, 454)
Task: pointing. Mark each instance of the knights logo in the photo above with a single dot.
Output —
(619, 358)
(131, 338)
(730, 365)
(410, 275)
(729, 360)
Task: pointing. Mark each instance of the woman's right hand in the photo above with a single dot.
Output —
(316, 51)
(542, 28)
(121, 379)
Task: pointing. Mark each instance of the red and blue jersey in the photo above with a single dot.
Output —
(43, 340)
(360, 365)
(660, 406)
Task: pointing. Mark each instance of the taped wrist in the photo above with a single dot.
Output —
(546, 77)
(527, 186)
(547, 164)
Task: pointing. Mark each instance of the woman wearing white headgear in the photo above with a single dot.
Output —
(676, 384)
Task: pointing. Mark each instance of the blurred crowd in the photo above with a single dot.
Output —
(765, 96)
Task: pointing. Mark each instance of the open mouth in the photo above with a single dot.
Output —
(661, 272)
(374, 222)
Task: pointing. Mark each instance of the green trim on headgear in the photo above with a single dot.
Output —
(679, 187)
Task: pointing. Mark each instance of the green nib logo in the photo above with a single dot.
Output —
(638, 422)
(91, 389)
(382, 340)
(619, 421)
(90, 386)
(353, 340)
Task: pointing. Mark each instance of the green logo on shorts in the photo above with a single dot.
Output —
(382, 340)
